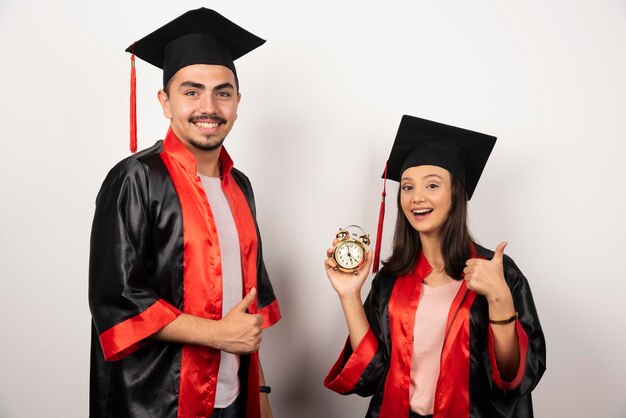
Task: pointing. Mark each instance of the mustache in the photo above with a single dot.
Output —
(207, 118)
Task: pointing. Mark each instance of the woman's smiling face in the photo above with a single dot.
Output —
(426, 197)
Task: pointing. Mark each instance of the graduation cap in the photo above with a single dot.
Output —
(419, 141)
(200, 36)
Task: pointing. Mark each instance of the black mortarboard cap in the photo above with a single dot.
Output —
(200, 36)
(423, 142)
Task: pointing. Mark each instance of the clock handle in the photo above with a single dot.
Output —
(365, 238)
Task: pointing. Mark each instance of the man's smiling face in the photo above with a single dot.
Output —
(201, 103)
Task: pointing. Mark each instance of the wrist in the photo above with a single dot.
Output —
(210, 333)
(501, 297)
(352, 297)
(501, 308)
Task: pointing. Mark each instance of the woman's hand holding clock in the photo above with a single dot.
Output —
(347, 284)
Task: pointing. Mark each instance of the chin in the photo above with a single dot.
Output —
(427, 229)
(207, 145)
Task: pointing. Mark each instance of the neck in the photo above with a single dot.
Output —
(431, 246)
(207, 162)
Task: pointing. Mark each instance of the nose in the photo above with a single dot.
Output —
(417, 196)
(207, 104)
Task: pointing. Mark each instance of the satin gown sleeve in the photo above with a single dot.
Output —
(361, 371)
(532, 345)
(125, 309)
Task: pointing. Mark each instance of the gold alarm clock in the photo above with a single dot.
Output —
(349, 252)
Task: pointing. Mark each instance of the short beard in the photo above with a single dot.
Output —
(206, 146)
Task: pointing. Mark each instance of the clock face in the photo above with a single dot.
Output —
(349, 255)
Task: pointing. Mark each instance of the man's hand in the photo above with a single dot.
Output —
(240, 332)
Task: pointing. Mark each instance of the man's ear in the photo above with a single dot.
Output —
(165, 103)
(238, 101)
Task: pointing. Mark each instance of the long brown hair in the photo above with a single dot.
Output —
(455, 238)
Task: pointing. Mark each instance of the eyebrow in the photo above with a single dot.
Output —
(226, 85)
(432, 175)
(194, 85)
(424, 178)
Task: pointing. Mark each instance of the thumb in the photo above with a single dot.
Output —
(368, 261)
(246, 301)
(498, 255)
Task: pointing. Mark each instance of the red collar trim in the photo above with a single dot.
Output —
(422, 267)
(227, 162)
(179, 152)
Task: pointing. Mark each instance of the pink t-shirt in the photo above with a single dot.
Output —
(430, 325)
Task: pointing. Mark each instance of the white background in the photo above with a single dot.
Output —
(321, 103)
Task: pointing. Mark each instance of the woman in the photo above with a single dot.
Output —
(449, 328)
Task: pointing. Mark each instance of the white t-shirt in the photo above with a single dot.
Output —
(232, 283)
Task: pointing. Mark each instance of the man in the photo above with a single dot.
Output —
(178, 289)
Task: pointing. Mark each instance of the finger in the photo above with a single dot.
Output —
(499, 254)
(258, 319)
(246, 301)
(329, 263)
(469, 273)
(471, 262)
(329, 252)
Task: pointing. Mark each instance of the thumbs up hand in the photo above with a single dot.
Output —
(240, 332)
(486, 277)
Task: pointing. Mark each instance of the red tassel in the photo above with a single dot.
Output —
(381, 218)
(133, 103)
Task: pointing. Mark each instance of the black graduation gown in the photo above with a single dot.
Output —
(154, 255)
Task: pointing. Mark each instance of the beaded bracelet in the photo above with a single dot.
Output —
(504, 321)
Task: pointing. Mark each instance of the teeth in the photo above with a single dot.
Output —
(421, 211)
(207, 125)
